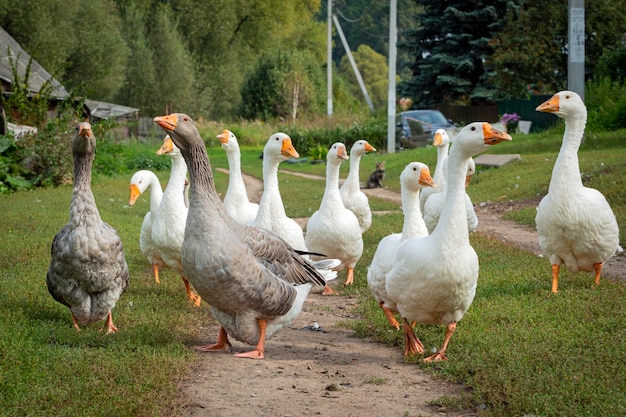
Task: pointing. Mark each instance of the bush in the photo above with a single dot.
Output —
(606, 104)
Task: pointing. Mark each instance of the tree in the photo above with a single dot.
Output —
(374, 71)
(530, 52)
(450, 50)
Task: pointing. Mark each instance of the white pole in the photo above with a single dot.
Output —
(576, 47)
(329, 63)
(391, 97)
(357, 73)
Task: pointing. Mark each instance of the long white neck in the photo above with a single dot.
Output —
(566, 171)
(452, 226)
(413, 222)
(156, 193)
(235, 179)
(332, 197)
(176, 185)
(352, 181)
(271, 200)
(442, 154)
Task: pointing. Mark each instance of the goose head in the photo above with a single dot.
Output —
(279, 148)
(477, 137)
(84, 142)
(361, 147)
(228, 140)
(471, 170)
(139, 183)
(168, 147)
(564, 104)
(181, 129)
(416, 176)
(441, 138)
(337, 154)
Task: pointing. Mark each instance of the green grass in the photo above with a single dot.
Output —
(520, 350)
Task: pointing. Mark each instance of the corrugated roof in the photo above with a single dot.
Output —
(104, 110)
(10, 50)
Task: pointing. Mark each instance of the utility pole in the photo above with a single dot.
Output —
(391, 96)
(576, 47)
(329, 63)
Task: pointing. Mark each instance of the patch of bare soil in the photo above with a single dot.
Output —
(318, 368)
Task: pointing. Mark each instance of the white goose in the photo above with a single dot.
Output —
(236, 199)
(254, 282)
(441, 141)
(271, 215)
(168, 228)
(413, 178)
(88, 271)
(353, 198)
(141, 181)
(434, 277)
(333, 229)
(575, 223)
(435, 203)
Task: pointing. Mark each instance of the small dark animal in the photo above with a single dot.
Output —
(376, 178)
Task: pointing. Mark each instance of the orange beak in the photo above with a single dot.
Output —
(494, 136)
(223, 137)
(167, 147)
(369, 148)
(549, 106)
(167, 122)
(134, 194)
(426, 179)
(437, 139)
(288, 150)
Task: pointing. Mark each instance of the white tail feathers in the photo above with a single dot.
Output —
(325, 267)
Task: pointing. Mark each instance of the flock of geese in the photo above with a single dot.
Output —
(255, 266)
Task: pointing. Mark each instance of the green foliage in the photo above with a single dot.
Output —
(450, 47)
(374, 71)
(606, 103)
(612, 64)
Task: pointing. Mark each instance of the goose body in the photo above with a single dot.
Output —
(168, 227)
(271, 215)
(353, 198)
(333, 229)
(413, 178)
(88, 271)
(140, 182)
(434, 204)
(434, 277)
(441, 141)
(576, 225)
(236, 199)
(253, 280)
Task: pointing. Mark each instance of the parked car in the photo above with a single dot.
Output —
(415, 128)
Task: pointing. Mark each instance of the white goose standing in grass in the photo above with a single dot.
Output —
(441, 141)
(88, 271)
(168, 228)
(236, 199)
(575, 223)
(353, 198)
(414, 178)
(271, 215)
(434, 277)
(434, 204)
(333, 230)
(253, 280)
(140, 182)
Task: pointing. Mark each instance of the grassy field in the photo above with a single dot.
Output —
(521, 351)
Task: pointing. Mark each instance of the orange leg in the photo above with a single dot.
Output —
(110, 326)
(390, 318)
(350, 278)
(260, 347)
(75, 322)
(195, 298)
(555, 278)
(412, 344)
(155, 269)
(328, 290)
(441, 354)
(598, 268)
(222, 343)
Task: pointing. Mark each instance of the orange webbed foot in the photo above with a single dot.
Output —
(253, 354)
(328, 290)
(437, 357)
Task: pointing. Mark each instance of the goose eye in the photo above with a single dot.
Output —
(414, 168)
(473, 127)
(186, 119)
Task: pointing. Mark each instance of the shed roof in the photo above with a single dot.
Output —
(10, 50)
(104, 110)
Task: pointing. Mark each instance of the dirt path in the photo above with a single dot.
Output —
(317, 368)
